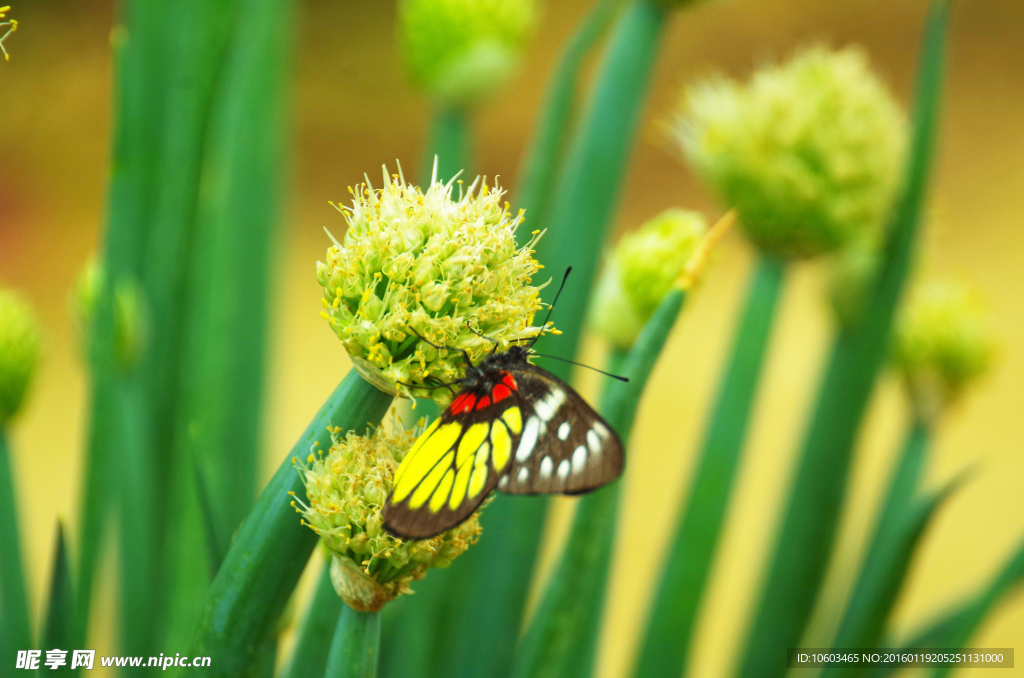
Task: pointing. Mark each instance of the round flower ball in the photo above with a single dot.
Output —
(943, 343)
(641, 270)
(809, 152)
(346, 490)
(460, 51)
(417, 271)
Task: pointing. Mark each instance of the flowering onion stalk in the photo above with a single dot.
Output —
(805, 538)
(416, 268)
(345, 492)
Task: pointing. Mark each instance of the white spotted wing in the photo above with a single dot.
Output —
(565, 447)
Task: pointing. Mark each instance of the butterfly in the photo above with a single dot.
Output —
(512, 426)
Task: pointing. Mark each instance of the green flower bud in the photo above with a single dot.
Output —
(130, 329)
(418, 265)
(943, 343)
(640, 272)
(346, 490)
(808, 152)
(462, 50)
(19, 352)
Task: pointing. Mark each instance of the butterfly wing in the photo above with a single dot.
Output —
(452, 468)
(530, 434)
(565, 447)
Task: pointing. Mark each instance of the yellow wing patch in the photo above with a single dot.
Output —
(423, 457)
(429, 431)
(426, 488)
(461, 484)
(479, 479)
(448, 464)
(470, 443)
(514, 418)
(502, 445)
(441, 494)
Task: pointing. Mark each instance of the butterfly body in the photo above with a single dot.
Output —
(513, 427)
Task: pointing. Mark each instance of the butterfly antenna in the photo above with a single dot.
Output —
(589, 367)
(552, 306)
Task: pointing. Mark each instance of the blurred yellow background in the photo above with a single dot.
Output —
(353, 111)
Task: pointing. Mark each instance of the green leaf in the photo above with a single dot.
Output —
(805, 540)
(198, 38)
(678, 597)
(271, 548)
(356, 645)
(59, 626)
(15, 629)
(95, 506)
(955, 628)
(140, 55)
(214, 549)
(900, 524)
(314, 644)
(963, 627)
(883, 574)
(230, 276)
(561, 639)
(138, 539)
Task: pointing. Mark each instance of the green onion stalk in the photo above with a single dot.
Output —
(805, 539)
(942, 344)
(561, 639)
(581, 208)
(804, 192)
(19, 357)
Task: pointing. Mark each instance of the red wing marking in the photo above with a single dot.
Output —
(463, 403)
(500, 392)
(483, 402)
(510, 381)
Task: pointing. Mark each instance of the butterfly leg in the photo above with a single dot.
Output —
(440, 384)
(463, 351)
(484, 336)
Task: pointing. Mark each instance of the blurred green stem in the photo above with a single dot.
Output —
(15, 629)
(271, 548)
(677, 600)
(540, 166)
(586, 193)
(356, 645)
(140, 59)
(138, 632)
(449, 142)
(311, 651)
(561, 640)
(804, 542)
(94, 507)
